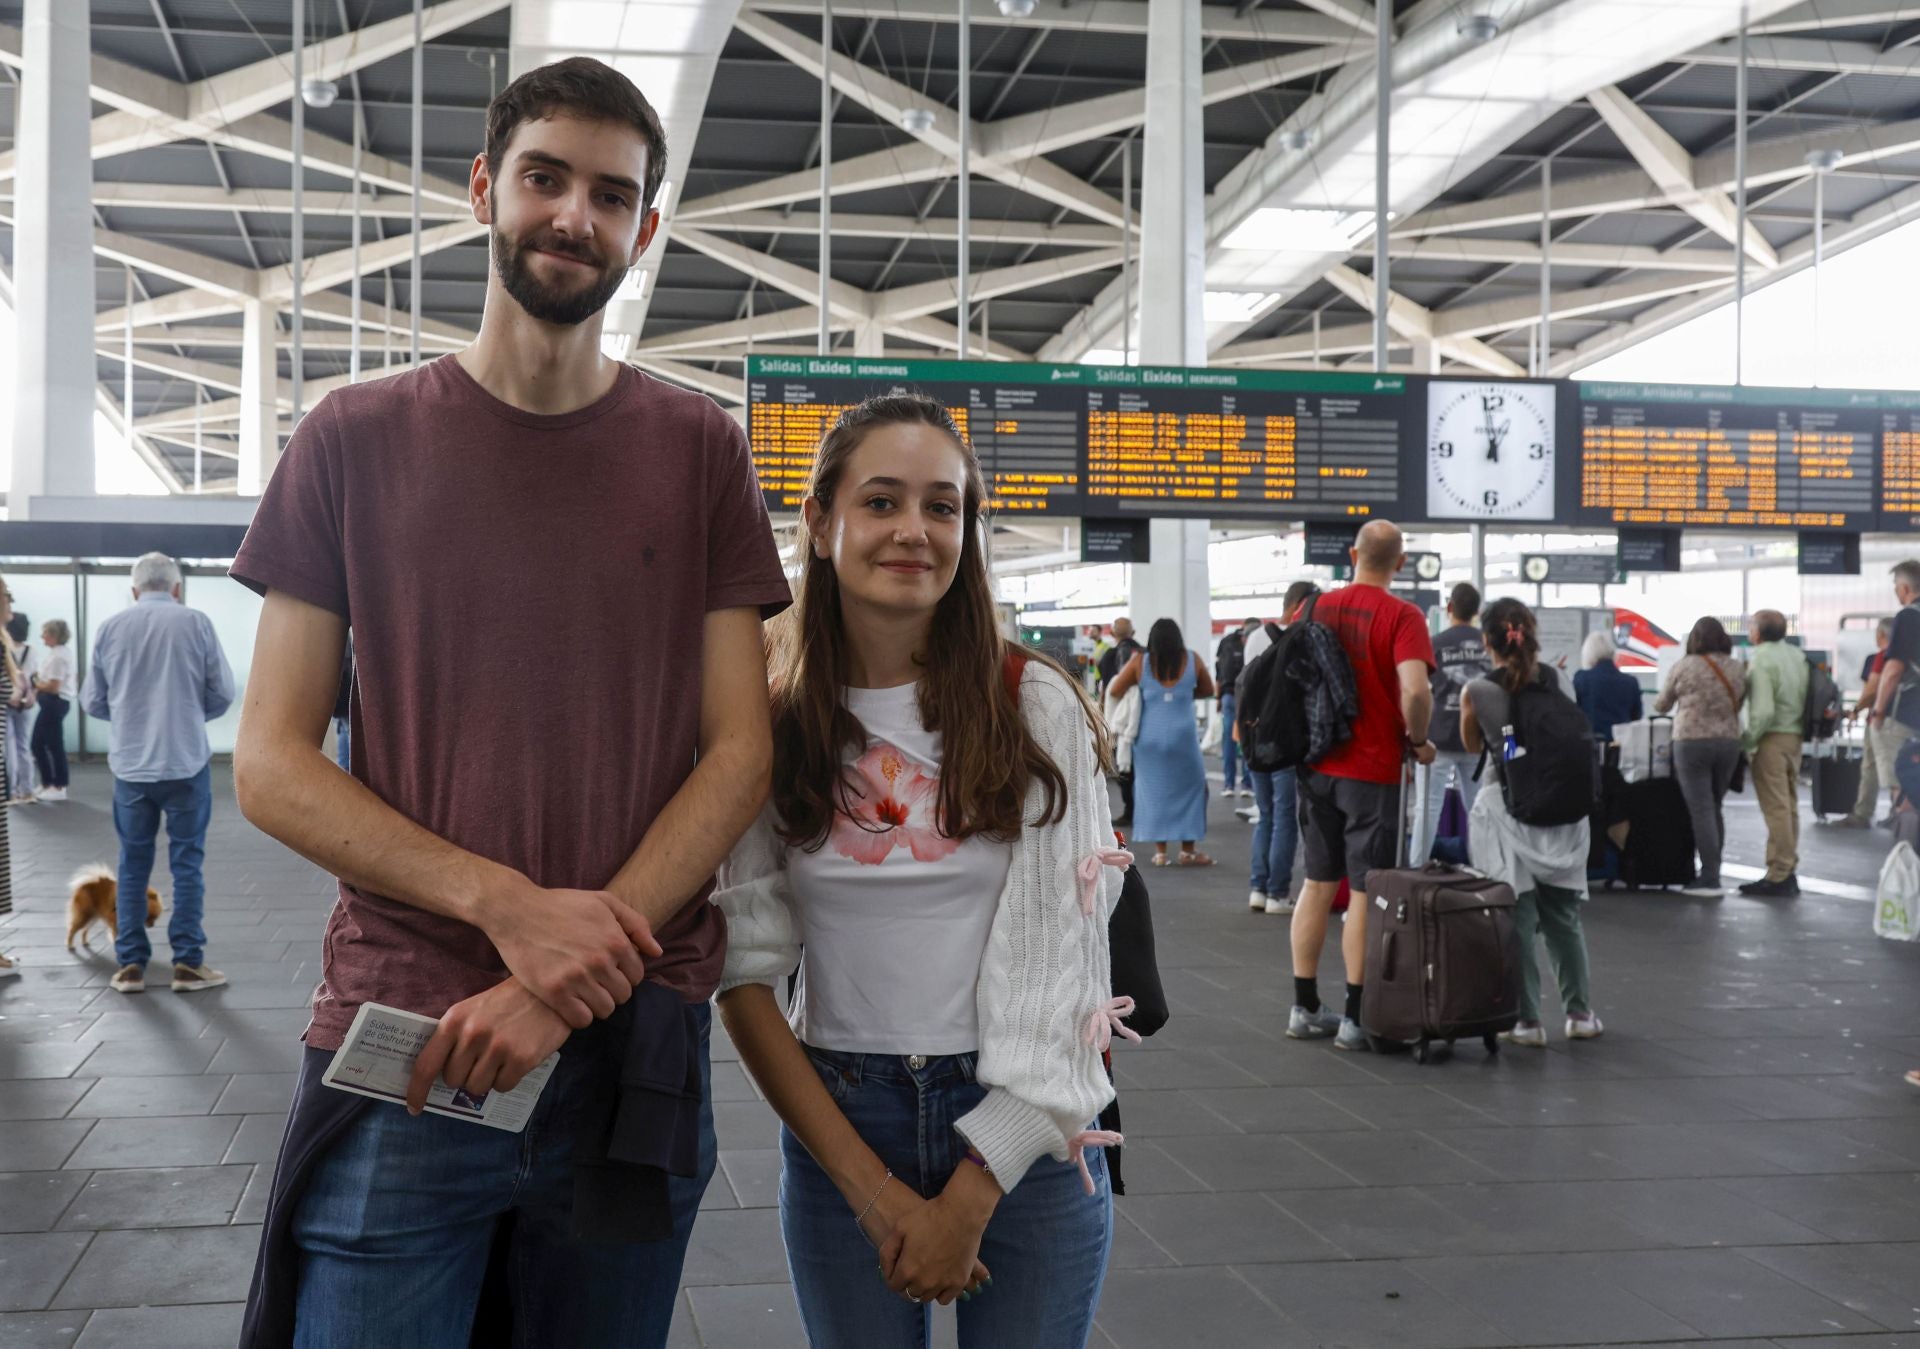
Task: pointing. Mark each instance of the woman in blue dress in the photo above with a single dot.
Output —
(1169, 780)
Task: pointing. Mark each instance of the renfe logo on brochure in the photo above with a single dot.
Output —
(377, 1058)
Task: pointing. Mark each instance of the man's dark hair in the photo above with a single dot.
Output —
(578, 87)
(1297, 595)
(18, 627)
(1248, 623)
(1464, 602)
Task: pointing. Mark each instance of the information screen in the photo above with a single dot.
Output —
(1740, 457)
(1113, 441)
(1900, 461)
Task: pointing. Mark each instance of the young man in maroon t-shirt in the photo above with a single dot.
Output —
(1351, 801)
(527, 859)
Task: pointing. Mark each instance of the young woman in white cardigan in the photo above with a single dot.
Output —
(938, 863)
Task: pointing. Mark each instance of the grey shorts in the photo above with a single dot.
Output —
(1350, 827)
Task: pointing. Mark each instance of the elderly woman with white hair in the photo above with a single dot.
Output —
(1605, 692)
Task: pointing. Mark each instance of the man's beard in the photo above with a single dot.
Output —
(567, 307)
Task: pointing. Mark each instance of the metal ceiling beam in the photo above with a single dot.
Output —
(1417, 322)
(1525, 252)
(938, 229)
(211, 374)
(257, 200)
(323, 339)
(709, 382)
(888, 98)
(1126, 17)
(933, 297)
(844, 302)
(1668, 164)
(1497, 316)
(1835, 14)
(1348, 339)
(801, 321)
(200, 109)
(1354, 16)
(892, 167)
(1813, 54)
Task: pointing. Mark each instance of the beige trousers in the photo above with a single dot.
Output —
(1775, 770)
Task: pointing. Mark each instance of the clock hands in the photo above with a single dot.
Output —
(1494, 436)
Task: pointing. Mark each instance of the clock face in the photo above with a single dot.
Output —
(1536, 568)
(1490, 451)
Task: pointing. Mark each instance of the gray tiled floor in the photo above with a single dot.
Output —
(1737, 1161)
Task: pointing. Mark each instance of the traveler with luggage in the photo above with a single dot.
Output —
(1777, 680)
(1876, 768)
(1895, 716)
(1605, 692)
(1351, 805)
(1704, 691)
(1276, 822)
(1460, 657)
(1533, 832)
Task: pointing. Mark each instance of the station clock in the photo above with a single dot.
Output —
(1490, 451)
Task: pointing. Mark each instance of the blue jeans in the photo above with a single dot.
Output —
(1276, 834)
(137, 807)
(1046, 1245)
(342, 744)
(1230, 748)
(395, 1227)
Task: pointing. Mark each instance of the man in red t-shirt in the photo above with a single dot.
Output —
(1351, 801)
(524, 836)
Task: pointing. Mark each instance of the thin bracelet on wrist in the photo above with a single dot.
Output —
(884, 1182)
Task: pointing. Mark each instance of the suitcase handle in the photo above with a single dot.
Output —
(1388, 950)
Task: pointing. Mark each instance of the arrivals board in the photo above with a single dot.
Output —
(1112, 441)
(1272, 447)
(1676, 455)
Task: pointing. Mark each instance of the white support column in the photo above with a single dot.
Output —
(259, 398)
(54, 372)
(869, 339)
(1173, 329)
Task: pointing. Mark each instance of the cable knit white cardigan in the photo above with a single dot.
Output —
(1044, 990)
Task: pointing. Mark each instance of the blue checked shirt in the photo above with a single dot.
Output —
(158, 676)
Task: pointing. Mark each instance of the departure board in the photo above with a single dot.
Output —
(1900, 461)
(1655, 454)
(1109, 440)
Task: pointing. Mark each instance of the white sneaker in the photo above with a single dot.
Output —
(51, 794)
(1247, 813)
(1279, 904)
(8, 967)
(1584, 1028)
(1533, 1037)
(1246, 793)
(1257, 900)
(1703, 891)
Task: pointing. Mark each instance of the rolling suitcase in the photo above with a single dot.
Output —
(1659, 847)
(1443, 957)
(1836, 770)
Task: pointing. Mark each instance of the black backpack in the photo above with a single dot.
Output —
(1282, 732)
(1554, 776)
(1821, 718)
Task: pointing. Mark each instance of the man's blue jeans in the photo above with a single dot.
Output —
(397, 1222)
(1230, 764)
(187, 804)
(1046, 1244)
(1276, 834)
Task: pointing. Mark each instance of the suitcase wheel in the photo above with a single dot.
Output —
(1491, 1041)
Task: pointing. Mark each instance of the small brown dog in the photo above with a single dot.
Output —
(96, 899)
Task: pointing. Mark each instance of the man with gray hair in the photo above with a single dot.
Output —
(158, 677)
(1896, 698)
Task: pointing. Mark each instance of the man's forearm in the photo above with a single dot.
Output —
(1417, 712)
(694, 833)
(299, 796)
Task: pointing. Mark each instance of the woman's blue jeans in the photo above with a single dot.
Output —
(1232, 769)
(1276, 834)
(1046, 1245)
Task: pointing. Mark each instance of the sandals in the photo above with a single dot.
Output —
(1195, 859)
(1160, 859)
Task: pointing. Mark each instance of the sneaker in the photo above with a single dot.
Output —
(130, 979)
(1586, 1027)
(8, 967)
(1351, 1037)
(1531, 1034)
(1246, 793)
(192, 978)
(1278, 904)
(1257, 900)
(1701, 890)
(51, 794)
(1852, 822)
(1787, 887)
(1314, 1025)
(1247, 813)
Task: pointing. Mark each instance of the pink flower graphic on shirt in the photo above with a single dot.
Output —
(892, 803)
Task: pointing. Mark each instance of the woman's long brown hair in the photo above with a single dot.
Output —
(989, 759)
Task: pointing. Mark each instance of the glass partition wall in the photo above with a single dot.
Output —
(88, 591)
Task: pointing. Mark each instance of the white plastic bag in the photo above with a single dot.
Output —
(1896, 910)
(1646, 748)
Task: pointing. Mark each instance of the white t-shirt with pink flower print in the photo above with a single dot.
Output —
(894, 916)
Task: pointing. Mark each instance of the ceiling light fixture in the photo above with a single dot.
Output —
(1016, 9)
(316, 92)
(1297, 138)
(916, 121)
(1477, 27)
(1823, 161)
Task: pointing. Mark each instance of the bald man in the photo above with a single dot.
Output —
(1350, 802)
